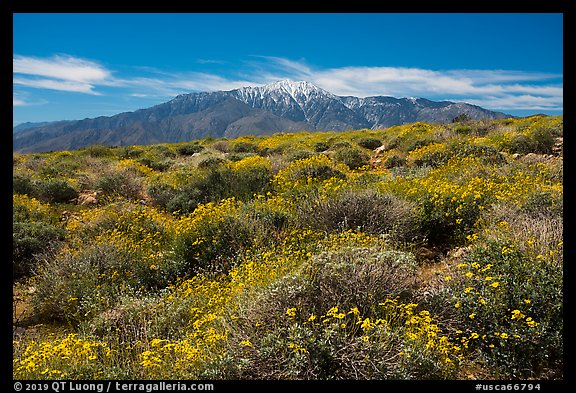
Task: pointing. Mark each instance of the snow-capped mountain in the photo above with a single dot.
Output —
(281, 106)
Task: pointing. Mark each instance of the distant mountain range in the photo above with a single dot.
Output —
(280, 106)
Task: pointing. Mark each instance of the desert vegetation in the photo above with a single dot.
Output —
(421, 251)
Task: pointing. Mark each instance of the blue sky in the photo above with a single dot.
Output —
(73, 66)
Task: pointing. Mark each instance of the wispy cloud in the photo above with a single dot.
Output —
(60, 72)
(18, 102)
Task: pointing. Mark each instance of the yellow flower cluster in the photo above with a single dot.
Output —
(70, 357)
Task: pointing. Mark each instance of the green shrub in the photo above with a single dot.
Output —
(211, 162)
(235, 157)
(543, 139)
(462, 129)
(299, 155)
(23, 184)
(364, 210)
(521, 144)
(513, 307)
(119, 184)
(394, 162)
(420, 143)
(155, 163)
(30, 239)
(321, 146)
(212, 238)
(244, 147)
(352, 157)
(334, 320)
(56, 191)
(370, 143)
(341, 145)
(129, 152)
(98, 151)
(189, 148)
(72, 286)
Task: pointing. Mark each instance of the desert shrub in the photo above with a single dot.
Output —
(210, 239)
(299, 155)
(521, 144)
(419, 143)
(162, 151)
(56, 191)
(432, 154)
(370, 143)
(335, 320)
(510, 308)
(30, 239)
(250, 176)
(71, 286)
(365, 210)
(321, 146)
(244, 147)
(119, 184)
(188, 149)
(360, 277)
(159, 165)
(211, 162)
(539, 202)
(352, 157)
(543, 139)
(234, 157)
(341, 145)
(160, 193)
(23, 184)
(462, 129)
(394, 161)
(315, 168)
(129, 152)
(98, 151)
(222, 146)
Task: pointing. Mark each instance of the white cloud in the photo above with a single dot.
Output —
(65, 73)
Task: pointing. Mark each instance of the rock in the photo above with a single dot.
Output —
(87, 199)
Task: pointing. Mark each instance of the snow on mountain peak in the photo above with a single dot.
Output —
(299, 91)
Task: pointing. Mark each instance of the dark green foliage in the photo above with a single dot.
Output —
(56, 191)
(352, 157)
(22, 184)
(321, 146)
(128, 152)
(341, 145)
(99, 151)
(394, 161)
(543, 140)
(30, 239)
(419, 143)
(462, 129)
(221, 242)
(370, 143)
(234, 157)
(119, 184)
(189, 148)
(521, 144)
(211, 162)
(299, 155)
(244, 147)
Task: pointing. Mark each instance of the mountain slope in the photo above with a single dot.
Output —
(280, 106)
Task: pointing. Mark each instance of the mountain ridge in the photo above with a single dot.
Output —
(280, 106)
